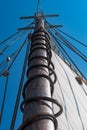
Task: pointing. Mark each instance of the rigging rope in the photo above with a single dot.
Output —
(12, 42)
(9, 45)
(81, 43)
(14, 34)
(14, 56)
(18, 51)
(73, 48)
(16, 38)
(4, 97)
(20, 89)
(10, 37)
(3, 102)
(39, 8)
(67, 55)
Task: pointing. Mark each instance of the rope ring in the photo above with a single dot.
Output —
(37, 118)
(37, 76)
(44, 99)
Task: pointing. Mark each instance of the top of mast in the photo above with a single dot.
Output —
(39, 14)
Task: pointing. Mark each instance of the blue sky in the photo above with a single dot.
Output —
(73, 17)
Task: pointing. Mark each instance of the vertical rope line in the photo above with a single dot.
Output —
(4, 97)
(20, 89)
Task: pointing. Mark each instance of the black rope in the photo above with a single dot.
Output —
(79, 53)
(43, 66)
(6, 47)
(39, 117)
(4, 98)
(68, 56)
(41, 58)
(17, 53)
(59, 50)
(10, 37)
(32, 99)
(64, 55)
(81, 43)
(39, 8)
(12, 42)
(35, 77)
(14, 34)
(20, 89)
(4, 68)
(2, 63)
(14, 56)
(73, 48)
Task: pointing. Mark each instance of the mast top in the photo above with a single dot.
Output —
(39, 15)
(36, 16)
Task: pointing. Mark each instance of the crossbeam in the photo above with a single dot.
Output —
(42, 15)
(32, 27)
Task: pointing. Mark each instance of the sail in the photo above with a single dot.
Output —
(71, 94)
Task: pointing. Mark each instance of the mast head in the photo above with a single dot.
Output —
(39, 16)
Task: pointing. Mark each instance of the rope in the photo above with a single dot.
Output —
(14, 56)
(4, 97)
(10, 37)
(3, 102)
(73, 48)
(19, 90)
(17, 53)
(68, 56)
(81, 43)
(14, 34)
(39, 7)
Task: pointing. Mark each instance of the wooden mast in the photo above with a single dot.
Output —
(38, 103)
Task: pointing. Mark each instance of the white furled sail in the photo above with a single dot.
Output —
(72, 95)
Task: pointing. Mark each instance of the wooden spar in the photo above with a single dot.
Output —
(37, 93)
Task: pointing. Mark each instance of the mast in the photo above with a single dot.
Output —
(37, 93)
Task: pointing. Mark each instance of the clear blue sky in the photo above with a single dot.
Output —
(73, 17)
